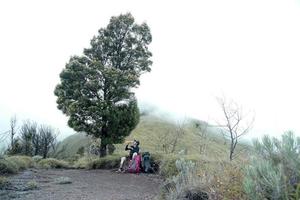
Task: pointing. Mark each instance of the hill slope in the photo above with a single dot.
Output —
(157, 136)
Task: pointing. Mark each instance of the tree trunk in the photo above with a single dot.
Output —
(111, 148)
(102, 150)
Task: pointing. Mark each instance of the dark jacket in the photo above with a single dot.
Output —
(132, 150)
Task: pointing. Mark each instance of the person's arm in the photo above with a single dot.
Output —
(126, 148)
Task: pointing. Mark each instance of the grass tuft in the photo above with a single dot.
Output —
(53, 163)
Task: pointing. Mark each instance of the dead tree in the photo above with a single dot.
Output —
(28, 133)
(13, 131)
(179, 132)
(47, 139)
(236, 124)
(203, 133)
(169, 139)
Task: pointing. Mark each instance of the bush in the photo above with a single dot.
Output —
(84, 162)
(53, 163)
(37, 158)
(3, 182)
(8, 167)
(108, 162)
(274, 173)
(186, 184)
(168, 167)
(32, 185)
(22, 162)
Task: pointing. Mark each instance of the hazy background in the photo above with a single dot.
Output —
(246, 50)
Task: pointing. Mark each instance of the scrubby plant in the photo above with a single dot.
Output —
(108, 162)
(31, 185)
(37, 158)
(22, 162)
(187, 184)
(168, 167)
(8, 167)
(84, 162)
(53, 163)
(3, 182)
(274, 172)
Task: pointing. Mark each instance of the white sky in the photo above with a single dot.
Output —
(246, 50)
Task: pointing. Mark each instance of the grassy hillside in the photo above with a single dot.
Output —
(154, 133)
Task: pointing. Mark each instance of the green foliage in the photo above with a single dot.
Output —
(8, 167)
(37, 158)
(32, 185)
(186, 183)
(274, 174)
(22, 162)
(108, 162)
(12, 164)
(84, 162)
(80, 151)
(3, 182)
(167, 167)
(95, 89)
(53, 163)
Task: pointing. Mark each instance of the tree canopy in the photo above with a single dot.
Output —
(96, 88)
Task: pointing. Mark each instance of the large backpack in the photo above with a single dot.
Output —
(146, 163)
(135, 165)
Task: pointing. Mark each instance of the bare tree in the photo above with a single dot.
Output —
(203, 133)
(28, 132)
(47, 139)
(13, 131)
(179, 132)
(236, 124)
(169, 139)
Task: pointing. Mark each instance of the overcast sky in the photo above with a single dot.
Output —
(247, 50)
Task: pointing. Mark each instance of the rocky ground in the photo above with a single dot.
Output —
(61, 184)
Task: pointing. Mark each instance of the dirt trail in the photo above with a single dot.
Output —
(86, 185)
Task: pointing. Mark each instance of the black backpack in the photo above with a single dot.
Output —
(146, 162)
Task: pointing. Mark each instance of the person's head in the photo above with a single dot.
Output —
(136, 143)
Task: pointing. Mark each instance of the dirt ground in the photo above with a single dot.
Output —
(85, 185)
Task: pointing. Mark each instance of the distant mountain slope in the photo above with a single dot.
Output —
(154, 133)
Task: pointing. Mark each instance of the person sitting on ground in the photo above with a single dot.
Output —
(133, 151)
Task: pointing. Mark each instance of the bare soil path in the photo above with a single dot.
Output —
(85, 185)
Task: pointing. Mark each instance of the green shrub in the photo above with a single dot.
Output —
(167, 163)
(31, 185)
(3, 182)
(53, 163)
(37, 158)
(186, 184)
(84, 162)
(8, 167)
(274, 173)
(22, 162)
(168, 167)
(108, 162)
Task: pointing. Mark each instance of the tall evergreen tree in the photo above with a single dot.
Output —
(96, 88)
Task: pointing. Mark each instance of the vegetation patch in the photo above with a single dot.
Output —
(274, 172)
(3, 182)
(108, 162)
(22, 162)
(32, 185)
(53, 163)
(8, 167)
